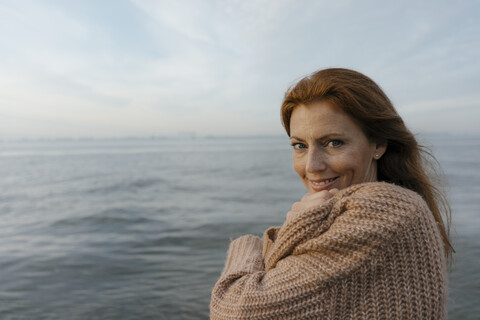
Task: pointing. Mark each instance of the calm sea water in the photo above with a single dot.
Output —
(138, 229)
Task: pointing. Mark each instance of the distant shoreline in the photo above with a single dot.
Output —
(436, 135)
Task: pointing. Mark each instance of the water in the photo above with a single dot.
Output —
(138, 229)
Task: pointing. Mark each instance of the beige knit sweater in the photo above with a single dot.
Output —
(373, 251)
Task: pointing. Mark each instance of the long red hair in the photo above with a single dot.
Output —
(405, 162)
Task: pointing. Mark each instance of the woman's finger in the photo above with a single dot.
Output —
(325, 194)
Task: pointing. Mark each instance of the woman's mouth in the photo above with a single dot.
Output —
(319, 185)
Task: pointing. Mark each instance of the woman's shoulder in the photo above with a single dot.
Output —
(383, 195)
(381, 190)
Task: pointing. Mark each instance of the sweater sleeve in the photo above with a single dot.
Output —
(293, 275)
(244, 257)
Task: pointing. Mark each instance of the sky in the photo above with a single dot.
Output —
(118, 68)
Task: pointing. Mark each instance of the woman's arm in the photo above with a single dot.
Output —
(337, 260)
(244, 257)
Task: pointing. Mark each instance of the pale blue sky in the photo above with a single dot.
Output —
(141, 68)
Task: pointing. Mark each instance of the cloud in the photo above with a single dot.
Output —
(142, 66)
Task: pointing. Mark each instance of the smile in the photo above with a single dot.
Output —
(323, 184)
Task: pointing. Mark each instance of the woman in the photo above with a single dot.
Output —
(368, 241)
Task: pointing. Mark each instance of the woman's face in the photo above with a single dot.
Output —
(329, 148)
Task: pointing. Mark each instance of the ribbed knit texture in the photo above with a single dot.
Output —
(373, 251)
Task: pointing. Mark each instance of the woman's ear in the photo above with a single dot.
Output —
(380, 149)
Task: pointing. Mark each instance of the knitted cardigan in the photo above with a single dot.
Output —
(372, 251)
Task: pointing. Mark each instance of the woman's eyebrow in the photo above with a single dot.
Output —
(324, 137)
(295, 138)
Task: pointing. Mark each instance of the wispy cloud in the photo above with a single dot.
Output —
(145, 67)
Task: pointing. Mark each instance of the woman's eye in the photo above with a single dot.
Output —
(298, 146)
(335, 143)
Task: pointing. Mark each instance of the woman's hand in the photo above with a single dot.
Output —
(309, 201)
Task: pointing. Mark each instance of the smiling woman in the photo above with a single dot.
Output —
(330, 149)
(368, 241)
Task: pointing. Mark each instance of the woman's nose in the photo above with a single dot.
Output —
(315, 161)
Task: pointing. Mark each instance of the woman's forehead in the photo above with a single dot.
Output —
(321, 118)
